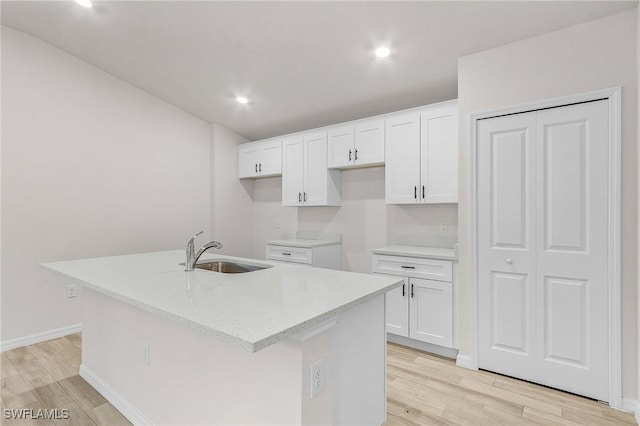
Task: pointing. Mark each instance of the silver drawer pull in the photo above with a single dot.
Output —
(408, 267)
(286, 254)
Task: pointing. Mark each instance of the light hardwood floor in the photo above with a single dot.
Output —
(422, 389)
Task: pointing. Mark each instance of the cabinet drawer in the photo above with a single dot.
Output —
(290, 254)
(432, 269)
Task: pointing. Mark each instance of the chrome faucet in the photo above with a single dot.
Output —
(192, 256)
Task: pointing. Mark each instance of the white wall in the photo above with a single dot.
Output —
(231, 209)
(364, 220)
(594, 55)
(91, 166)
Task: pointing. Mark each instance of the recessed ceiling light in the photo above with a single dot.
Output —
(84, 3)
(382, 52)
(242, 99)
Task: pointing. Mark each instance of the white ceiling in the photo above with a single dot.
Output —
(302, 64)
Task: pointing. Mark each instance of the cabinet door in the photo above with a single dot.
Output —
(439, 154)
(270, 159)
(292, 171)
(431, 311)
(315, 173)
(369, 143)
(402, 163)
(247, 163)
(340, 147)
(397, 310)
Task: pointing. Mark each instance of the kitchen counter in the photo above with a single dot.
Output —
(416, 251)
(250, 310)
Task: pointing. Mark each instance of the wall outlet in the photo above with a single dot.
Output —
(71, 291)
(444, 227)
(146, 359)
(317, 377)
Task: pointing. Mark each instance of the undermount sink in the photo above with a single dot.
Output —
(227, 267)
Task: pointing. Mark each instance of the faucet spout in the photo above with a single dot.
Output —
(192, 256)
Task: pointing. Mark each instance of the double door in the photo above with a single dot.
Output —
(306, 181)
(421, 310)
(543, 246)
(422, 156)
(356, 145)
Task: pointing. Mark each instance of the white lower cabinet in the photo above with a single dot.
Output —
(301, 252)
(421, 309)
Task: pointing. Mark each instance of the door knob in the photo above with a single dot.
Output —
(509, 260)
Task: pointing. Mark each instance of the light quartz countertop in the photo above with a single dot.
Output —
(416, 251)
(250, 310)
(303, 243)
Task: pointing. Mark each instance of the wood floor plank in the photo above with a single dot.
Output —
(82, 392)
(53, 362)
(52, 395)
(107, 415)
(77, 417)
(16, 393)
(542, 393)
(545, 418)
(582, 417)
(6, 367)
(450, 366)
(543, 406)
(618, 416)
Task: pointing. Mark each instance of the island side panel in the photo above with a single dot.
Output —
(359, 351)
(191, 378)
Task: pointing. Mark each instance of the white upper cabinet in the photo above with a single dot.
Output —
(422, 155)
(439, 154)
(306, 181)
(359, 144)
(340, 147)
(260, 159)
(402, 164)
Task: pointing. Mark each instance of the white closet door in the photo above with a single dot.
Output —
(506, 251)
(543, 247)
(571, 231)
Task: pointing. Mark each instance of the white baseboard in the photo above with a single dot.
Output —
(464, 361)
(633, 406)
(118, 401)
(426, 347)
(40, 337)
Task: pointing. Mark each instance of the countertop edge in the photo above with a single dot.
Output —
(292, 331)
(415, 254)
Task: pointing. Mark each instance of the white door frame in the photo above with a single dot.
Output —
(613, 95)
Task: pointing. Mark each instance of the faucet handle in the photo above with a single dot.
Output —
(192, 239)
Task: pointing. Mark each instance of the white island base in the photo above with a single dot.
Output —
(195, 379)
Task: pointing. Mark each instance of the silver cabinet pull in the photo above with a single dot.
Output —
(412, 291)
(260, 167)
(305, 197)
(286, 254)
(403, 285)
(299, 197)
(509, 260)
(349, 155)
(407, 267)
(415, 192)
(423, 192)
(356, 157)
(256, 168)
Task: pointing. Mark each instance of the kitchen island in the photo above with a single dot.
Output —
(166, 346)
